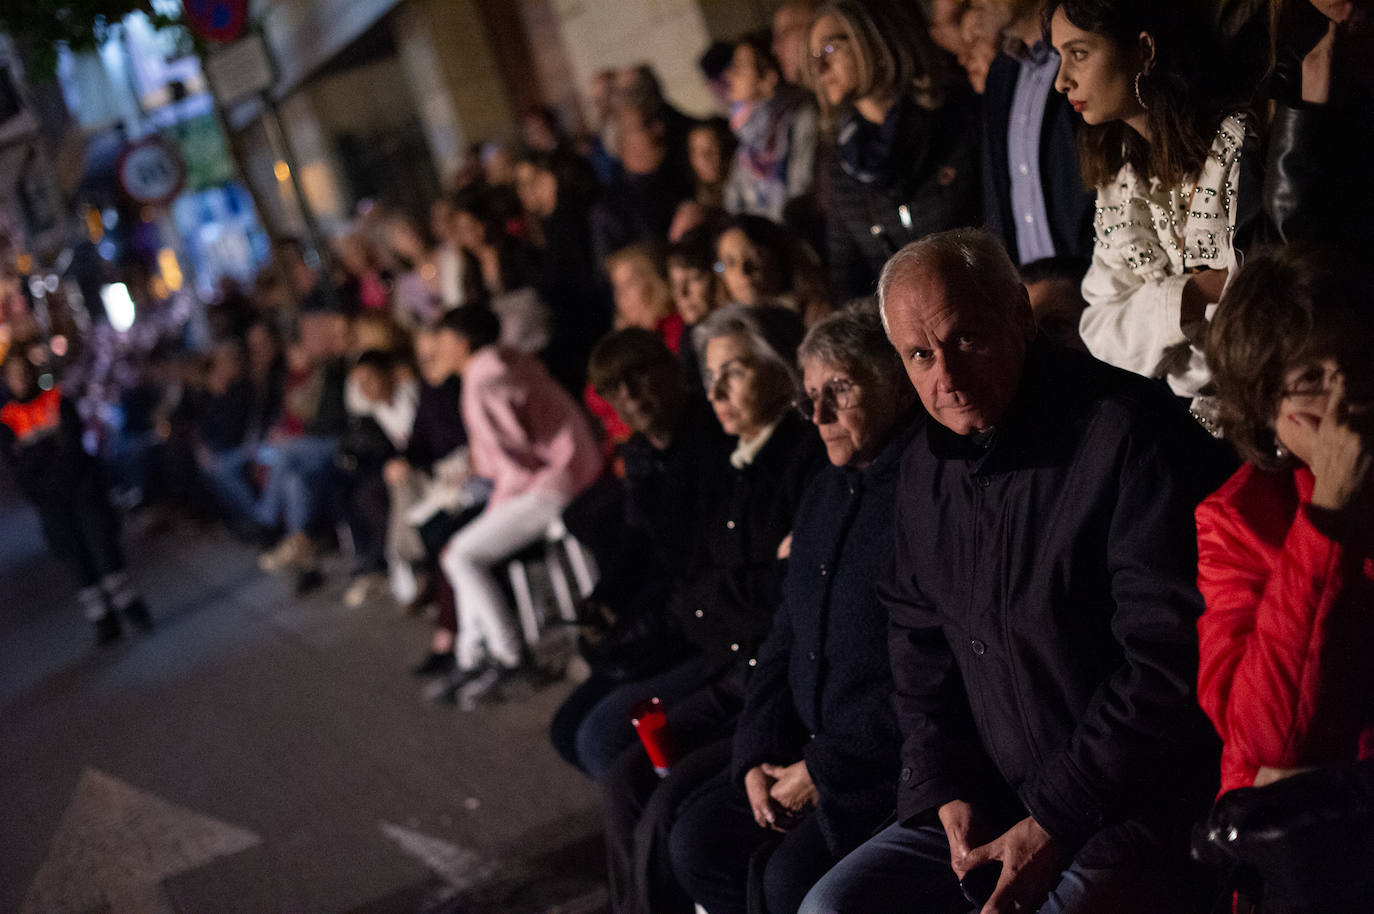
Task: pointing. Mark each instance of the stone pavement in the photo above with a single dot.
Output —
(262, 753)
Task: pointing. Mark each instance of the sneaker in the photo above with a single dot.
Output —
(108, 629)
(362, 589)
(405, 587)
(445, 691)
(438, 663)
(289, 553)
(485, 688)
(138, 615)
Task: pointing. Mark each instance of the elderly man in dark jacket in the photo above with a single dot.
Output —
(1042, 610)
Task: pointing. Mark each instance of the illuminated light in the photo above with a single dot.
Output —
(119, 307)
(110, 217)
(58, 345)
(171, 269)
(45, 381)
(106, 249)
(95, 229)
(24, 263)
(158, 286)
(282, 171)
(51, 282)
(36, 287)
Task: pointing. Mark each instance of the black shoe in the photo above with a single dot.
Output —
(436, 664)
(138, 615)
(108, 629)
(308, 580)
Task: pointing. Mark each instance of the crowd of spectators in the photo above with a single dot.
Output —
(898, 409)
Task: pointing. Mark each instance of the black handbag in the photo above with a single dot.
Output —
(1302, 845)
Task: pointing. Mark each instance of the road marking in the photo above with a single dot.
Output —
(116, 844)
(458, 867)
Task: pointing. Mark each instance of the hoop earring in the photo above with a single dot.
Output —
(1138, 97)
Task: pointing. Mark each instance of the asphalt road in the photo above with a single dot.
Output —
(262, 753)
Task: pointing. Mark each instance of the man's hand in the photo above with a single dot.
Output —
(793, 788)
(958, 818)
(758, 786)
(1031, 864)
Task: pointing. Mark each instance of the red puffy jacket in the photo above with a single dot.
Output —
(1287, 670)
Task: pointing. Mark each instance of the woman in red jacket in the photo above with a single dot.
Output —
(1286, 546)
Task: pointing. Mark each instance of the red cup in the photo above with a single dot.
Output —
(651, 723)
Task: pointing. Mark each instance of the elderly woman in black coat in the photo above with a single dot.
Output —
(814, 766)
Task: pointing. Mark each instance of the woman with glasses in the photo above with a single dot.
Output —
(724, 600)
(1286, 546)
(905, 162)
(813, 768)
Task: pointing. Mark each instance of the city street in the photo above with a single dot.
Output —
(262, 753)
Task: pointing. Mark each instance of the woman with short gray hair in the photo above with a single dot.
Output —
(815, 754)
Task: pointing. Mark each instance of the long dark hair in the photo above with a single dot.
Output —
(1180, 92)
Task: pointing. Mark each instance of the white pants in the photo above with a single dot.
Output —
(469, 559)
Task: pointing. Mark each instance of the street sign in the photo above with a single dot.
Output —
(240, 70)
(151, 171)
(216, 20)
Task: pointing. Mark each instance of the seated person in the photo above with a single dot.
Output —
(814, 762)
(676, 444)
(725, 602)
(1041, 608)
(381, 396)
(762, 263)
(223, 453)
(300, 451)
(1055, 287)
(531, 440)
(1285, 546)
(692, 279)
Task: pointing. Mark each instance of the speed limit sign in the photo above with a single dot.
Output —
(151, 171)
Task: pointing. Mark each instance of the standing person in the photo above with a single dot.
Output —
(791, 23)
(906, 158)
(813, 769)
(40, 438)
(1285, 547)
(1176, 176)
(1042, 691)
(530, 439)
(710, 149)
(775, 123)
(1033, 192)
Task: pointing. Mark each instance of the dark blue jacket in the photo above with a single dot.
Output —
(822, 689)
(1068, 204)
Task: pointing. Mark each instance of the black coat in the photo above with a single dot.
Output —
(1043, 608)
(930, 184)
(1068, 203)
(732, 587)
(822, 689)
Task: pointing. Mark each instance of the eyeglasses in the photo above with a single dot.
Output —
(835, 394)
(1313, 382)
(820, 58)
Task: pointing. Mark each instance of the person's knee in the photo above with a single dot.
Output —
(825, 897)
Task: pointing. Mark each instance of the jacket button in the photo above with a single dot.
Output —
(734, 647)
(729, 525)
(982, 481)
(753, 661)
(811, 655)
(822, 571)
(979, 647)
(699, 613)
(875, 229)
(906, 774)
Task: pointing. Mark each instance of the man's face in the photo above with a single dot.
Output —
(963, 356)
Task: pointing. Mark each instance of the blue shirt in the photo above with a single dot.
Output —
(1039, 64)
